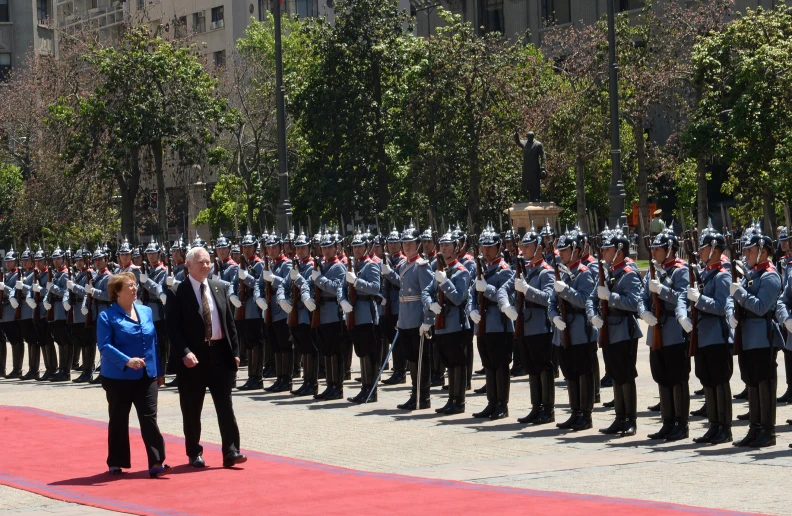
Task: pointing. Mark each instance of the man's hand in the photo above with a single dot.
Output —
(160, 381)
(559, 323)
(66, 305)
(31, 302)
(70, 284)
(654, 286)
(235, 300)
(649, 318)
(136, 363)
(441, 277)
(47, 305)
(163, 298)
(315, 274)
(309, 304)
(20, 285)
(14, 303)
(521, 286)
(734, 287)
(262, 304)
(475, 316)
(733, 322)
(346, 306)
(597, 322)
(351, 277)
(84, 310)
(143, 278)
(386, 268)
(510, 312)
(190, 360)
(686, 324)
(285, 306)
(481, 285)
(788, 325)
(170, 280)
(425, 329)
(36, 287)
(559, 286)
(693, 295)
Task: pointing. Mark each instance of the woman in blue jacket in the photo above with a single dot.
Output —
(131, 374)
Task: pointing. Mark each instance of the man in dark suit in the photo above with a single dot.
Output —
(204, 344)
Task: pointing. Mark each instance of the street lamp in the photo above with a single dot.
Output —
(284, 211)
(616, 192)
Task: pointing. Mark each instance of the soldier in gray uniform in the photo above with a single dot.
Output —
(467, 260)
(577, 360)
(96, 287)
(670, 364)
(453, 284)
(714, 364)
(250, 329)
(785, 268)
(304, 344)
(330, 278)
(390, 314)
(758, 294)
(24, 298)
(536, 343)
(10, 326)
(364, 279)
(82, 332)
(56, 292)
(277, 331)
(412, 275)
(46, 341)
(623, 292)
(154, 295)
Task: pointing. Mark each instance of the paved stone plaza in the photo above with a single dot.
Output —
(380, 438)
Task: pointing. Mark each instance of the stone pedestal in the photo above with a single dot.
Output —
(196, 201)
(524, 214)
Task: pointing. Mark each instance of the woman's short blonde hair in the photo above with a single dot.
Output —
(117, 282)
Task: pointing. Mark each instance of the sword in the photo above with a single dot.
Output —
(387, 357)
(418, 381)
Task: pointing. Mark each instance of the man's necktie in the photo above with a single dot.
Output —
(206, 312)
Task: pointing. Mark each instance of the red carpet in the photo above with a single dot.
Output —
(63, 457)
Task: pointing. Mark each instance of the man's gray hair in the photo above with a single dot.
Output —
(191, 254)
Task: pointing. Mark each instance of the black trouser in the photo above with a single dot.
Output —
(279, 337)
(163, 344)
(211, 372)
(85, 340)
(388, 326)
(65, 344)
(620, 363)
(251, 337)
(121, 395)
(496, 350)
(303, 343)
(47, 344)
(410, 340)
(31, 335)
(367, 347)
(13, 332)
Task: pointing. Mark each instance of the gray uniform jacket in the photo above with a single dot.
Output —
(759, 296)
(624, 303)
(412, 277)
(714, 307)
(579, 287)
(455, 289)
(674, 280)
(538, 297)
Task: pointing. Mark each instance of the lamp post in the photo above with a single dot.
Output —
(284, 211)
(616, 192)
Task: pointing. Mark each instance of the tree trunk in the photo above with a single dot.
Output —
(381, 156)
(768, 208)
(580, 182)
(162, 200)
(702, 206)
(129, 190)
(643, 190)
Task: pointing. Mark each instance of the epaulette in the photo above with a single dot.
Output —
(231, 263)
(505, 266)
(547, 266)
(422, 263)
(582, 268)
(627, 269)
(460, 267)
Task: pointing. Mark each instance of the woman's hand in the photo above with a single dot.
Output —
(136, 363)
(160, 381)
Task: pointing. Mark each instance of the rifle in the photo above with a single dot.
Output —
(51, 275)
(144, 296)
(694, 283)
(657, 329)
(562, 308)
(738, 309)
(70, 313)
(351, 293)
(482, 301)
(240, 312)
(36, 296)
(316, 317)
(268, 292)
(519, 324)
(293, 315)
(604, 333)
(89, 303)
(440, 318)
(19, 294)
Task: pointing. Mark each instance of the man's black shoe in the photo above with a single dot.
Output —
(197, 462)
(231, 460)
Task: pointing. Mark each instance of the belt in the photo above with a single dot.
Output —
(212, 343)
(363, 298)
(409, 299)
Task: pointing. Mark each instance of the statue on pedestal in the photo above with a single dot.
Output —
(533, 169)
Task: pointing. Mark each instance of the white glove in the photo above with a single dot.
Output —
(475, 316)
(2, 285)
(14, 303)
(733, 321)
(143, 278)
(603, 293)
(481, 285)
(267, 276)
(66, 306)
(559, 323)
(521, 285)
(649, 318)
(315, 274)
(294, 274)
(346, 306)
(693, 295)
(686, 324)
(310, 304)
(386, 268)
(235, 300)
(351, 277)
(436, 308)
(597, 322)
(84, 310)
(70, 284)
(36, 287)
(510, 312)
(170, 281)
(163, 298)
(285, 306)
(31, 302)
(242, 273)
(654, 286)
(95, 291)
(788, 325)
(20, 285)
(440, 277)
(47, 305)
(384, 301)
(559, 286)
(425, 329)
(49, 285)
(262, 304)
(734, 287)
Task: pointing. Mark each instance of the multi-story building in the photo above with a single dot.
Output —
(24, 25)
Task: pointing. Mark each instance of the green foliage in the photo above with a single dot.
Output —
(226, 208)
(11, 187)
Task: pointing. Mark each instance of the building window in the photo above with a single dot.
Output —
(180, 27)
(43, 12)
(217, 18)
(492, 16)
(629, 5)
(262, 11)
(219, 59)
(5, 66)
(4, 16)
(556, 12)
(199, 22)
(306, 9)
(141, 4)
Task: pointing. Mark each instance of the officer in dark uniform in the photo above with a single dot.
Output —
(785, 267)
(758, 294)
(623, 292)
